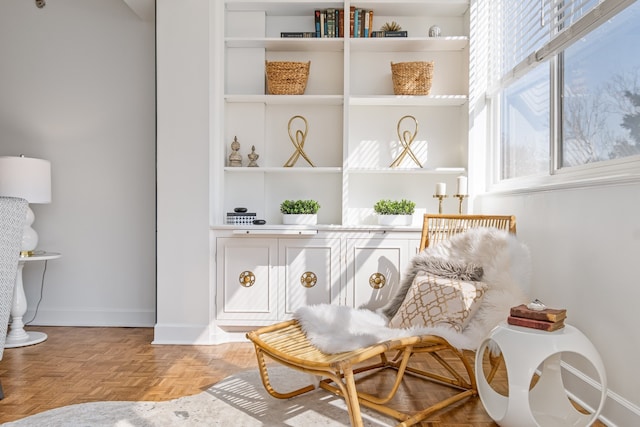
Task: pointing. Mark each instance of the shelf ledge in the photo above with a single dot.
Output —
(280, 169)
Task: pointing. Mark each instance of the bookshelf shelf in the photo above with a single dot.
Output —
(287, 44)
(283, 170)
(408, 100)
(286, 99)
(409, 44)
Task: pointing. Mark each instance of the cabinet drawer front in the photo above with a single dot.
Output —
(311, 272)
(249, 287)
(373, 270)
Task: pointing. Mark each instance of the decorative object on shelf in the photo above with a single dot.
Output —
(235, 158)
(391, 26)
(253, 157)
(406, 138)
(299, 212)
(434, 31)
(287, 77)
(26, 178)
(240, 218)
(441, 193)
(461, 192)
(298, 142)
(394, 212)
(412, 78)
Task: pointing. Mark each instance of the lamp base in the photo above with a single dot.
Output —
(26, 253)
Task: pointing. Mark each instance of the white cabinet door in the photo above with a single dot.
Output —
(247, 282)
(374, 267)
(311, 271)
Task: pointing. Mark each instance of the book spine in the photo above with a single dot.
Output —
(356, 23)
(370, 22)
(341, 23)
(396, 33)
(331, 23)
(352, 18)
(367, 23)
(317, 22)
(297, 34)
(336, 21)
(535, 324)
(323, 31)
(362, 15)
(550, 315)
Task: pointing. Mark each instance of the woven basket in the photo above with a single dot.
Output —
(412, 78)
(287, 78)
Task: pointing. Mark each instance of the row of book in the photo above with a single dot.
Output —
(548, 319)
(330, 23)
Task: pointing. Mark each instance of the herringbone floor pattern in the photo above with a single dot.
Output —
(77, 365)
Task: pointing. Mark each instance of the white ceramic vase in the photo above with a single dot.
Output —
(395, 219)
(300, 219)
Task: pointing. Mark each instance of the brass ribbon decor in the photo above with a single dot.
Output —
(298, 143)
(406, 139)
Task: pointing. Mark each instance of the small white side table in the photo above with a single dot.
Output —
(17, 336)
(546, 404)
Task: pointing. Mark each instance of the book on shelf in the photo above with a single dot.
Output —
(541, 325)
(317, 14)
(548, 314)
(402, 33)
(298, 34)
(329, 22)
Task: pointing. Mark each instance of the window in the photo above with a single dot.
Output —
(568, 84)
(601, 93)
(525, 125)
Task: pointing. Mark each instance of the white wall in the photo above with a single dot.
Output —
(184, 294)
(77, 87)
(585, 246)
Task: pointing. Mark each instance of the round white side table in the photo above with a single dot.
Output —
(17, 336)
(546, 404)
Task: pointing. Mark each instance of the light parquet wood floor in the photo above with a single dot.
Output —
(77, 365)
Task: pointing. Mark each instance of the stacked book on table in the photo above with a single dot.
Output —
(548, 319)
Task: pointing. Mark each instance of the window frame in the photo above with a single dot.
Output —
(606, 172)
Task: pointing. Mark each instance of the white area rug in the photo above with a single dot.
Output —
(239, 400)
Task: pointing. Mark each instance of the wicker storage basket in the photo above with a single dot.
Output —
(412, 78)
(287, 78)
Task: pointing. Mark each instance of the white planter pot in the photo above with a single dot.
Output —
(395, 219)
(299, 219)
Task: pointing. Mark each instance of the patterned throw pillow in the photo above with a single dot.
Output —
(434, 300)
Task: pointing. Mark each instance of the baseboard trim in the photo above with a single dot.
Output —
(617, 410)
(94, 317)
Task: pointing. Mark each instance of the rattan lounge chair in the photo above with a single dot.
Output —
(287, 344)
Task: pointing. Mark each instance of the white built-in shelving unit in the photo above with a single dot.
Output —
(263, 273)
(350, 107)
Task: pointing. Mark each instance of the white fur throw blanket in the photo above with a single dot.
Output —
(505, 265)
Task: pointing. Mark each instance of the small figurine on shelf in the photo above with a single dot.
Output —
(235, 158)
(253, 157)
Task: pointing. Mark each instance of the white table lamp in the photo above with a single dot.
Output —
(30, 179)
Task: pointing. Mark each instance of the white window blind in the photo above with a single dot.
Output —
(533, 30)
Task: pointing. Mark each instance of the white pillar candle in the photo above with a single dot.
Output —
(441, 189)
(462, 186)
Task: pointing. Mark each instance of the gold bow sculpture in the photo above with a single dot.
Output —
(406, 139)
(298, 143)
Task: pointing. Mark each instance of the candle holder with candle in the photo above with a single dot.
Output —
(441, 193)
(461, 194)
(460, 198)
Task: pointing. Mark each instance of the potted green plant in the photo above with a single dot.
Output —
(301, 212)
(394, 212)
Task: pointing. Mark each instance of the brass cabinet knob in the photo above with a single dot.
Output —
(308, 279)
(377, 280)
(247, 279)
